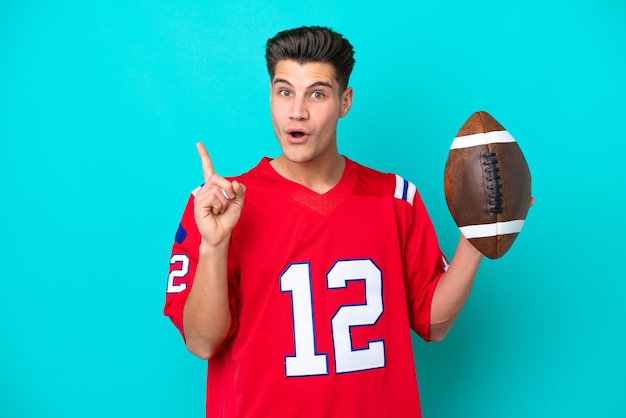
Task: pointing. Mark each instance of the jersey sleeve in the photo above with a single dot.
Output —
(182, 270)
(424, 262)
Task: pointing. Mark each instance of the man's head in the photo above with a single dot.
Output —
(312, 44)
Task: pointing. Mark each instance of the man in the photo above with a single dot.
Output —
(300, 280)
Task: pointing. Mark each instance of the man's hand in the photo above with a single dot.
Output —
(218, 203)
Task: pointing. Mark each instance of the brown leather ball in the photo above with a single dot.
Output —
(487, 185)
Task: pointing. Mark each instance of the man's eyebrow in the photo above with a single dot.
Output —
(315, 84)
(281, 80)
(321, 84)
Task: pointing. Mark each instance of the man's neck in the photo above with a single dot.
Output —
(318, 176)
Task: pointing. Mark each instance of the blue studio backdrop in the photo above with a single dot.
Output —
(101, 104)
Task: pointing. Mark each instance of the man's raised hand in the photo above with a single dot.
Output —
(218, 203)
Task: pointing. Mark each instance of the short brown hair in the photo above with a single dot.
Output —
(312, 44)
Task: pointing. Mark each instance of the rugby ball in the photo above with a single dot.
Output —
(487, 185)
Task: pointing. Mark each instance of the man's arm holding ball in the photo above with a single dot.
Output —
(454, 288)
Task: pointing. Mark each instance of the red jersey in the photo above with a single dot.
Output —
(323, 292)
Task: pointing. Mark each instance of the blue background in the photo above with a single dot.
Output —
(101, 104)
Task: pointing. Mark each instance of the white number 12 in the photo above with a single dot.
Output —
(297, 280)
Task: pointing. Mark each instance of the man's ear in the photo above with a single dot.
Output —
(346, 101)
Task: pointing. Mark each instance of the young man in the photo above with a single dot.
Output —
(300, 279)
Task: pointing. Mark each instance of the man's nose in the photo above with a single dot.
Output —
(299, 109)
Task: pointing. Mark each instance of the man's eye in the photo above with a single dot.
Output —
(317, 95)
(284, 93)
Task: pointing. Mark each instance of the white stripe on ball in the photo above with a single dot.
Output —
(473, 140)
(492, 230)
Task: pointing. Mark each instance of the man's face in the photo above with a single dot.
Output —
(306, 103)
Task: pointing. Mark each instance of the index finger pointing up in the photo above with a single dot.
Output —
(207, 165)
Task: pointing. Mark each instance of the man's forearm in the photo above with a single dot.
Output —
(453, 289)
(206, 317)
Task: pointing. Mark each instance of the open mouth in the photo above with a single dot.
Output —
(297, 134)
